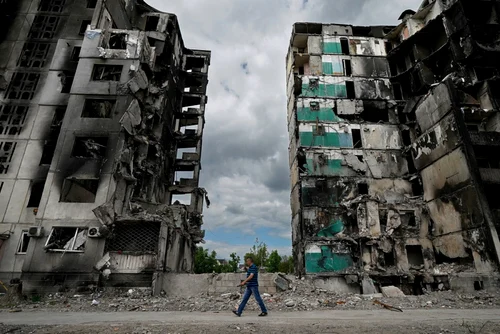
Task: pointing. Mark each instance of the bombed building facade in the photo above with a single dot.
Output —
(101, 123)
(394, 137)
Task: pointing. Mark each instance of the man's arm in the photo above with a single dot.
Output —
(247, 280)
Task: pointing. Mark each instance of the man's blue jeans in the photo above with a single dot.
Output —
(246, 297)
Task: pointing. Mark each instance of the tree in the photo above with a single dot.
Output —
(286, 265)
(258, 253)
(273, 263)
(205, 262)
(234, 262)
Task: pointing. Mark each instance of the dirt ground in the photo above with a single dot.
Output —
(345, 322)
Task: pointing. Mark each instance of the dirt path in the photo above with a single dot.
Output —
(345, 322)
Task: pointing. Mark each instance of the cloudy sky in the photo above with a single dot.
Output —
(245, 149)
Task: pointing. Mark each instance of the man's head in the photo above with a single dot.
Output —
(249, 261)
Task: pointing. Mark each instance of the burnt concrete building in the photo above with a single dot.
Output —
(101, 123)
(393, 149)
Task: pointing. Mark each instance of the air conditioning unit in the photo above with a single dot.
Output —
(94, 232)
(35, 232)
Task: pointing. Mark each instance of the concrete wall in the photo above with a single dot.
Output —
(184, 285)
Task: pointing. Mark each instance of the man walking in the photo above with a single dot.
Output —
(252, 284)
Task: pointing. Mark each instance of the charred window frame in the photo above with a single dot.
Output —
(415, 255)
(356, 138)
(347, 67)
(67, 78)
(44, 27)
(152, 23)
(98, 108)
(7, 149)
(350, 89)
(22, 86)
(66, 239)
(34, 55)
(90, 147)
(79, 190)
(118, 41)
(54, 6)
(134, 237)
(24, 242)
(49, 148)
(107, 72)
(344, 46)
(12, 118)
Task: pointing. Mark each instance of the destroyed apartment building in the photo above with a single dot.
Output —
(101, 122)
(395, 149)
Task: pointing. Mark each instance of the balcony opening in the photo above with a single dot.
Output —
(356, 138)
(347, 67)
(90, 147)
(36, 194)
(389, 259)
(363, 188)
(152, 23)
(98, 108)
(75, 54)
(408, 218)
(344, 45)
(67, 78)
(415, 255)
(79, 190)
(66, 239)
(118, 41)
(107, 72)
(351, 92)
(83, 27)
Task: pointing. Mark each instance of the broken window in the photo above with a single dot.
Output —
(181, 199)
(55, 6)
(90, 147)
(351, 92)
(43, 27)
(118, 41)
(478, 285)
(12, 119)
(97, 108)
(408, 218)
(388, 47)
(301, 70)
(36, 194)
(23, 86)
(383, 220)
(34, 55)
(91, 3)
(83, 27)
(415, 255)
(406, 137)
(75, 54)
(416, 185)
(314, 106)
(363, 188)
(344, 45)
(347, 67)
(58, 118)
(24, 241)
(374, 113)
(356, 138)
(389, 259)
(397, 91)
(66, 239)
(7, 149)
(79, 190)
(152, 23)
(134, 237)
(319, 130)
(107, 72)
(67, 78)
(487, 157)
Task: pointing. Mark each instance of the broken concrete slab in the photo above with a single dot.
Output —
(368, 286)
(392, 292)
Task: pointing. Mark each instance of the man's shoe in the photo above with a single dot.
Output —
(263, 314)
(236, 313)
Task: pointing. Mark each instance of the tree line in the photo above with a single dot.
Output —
(206, 261)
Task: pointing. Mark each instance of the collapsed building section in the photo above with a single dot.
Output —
(101, 184)
(392, 141)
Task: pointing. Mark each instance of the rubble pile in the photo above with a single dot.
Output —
(301, 297)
